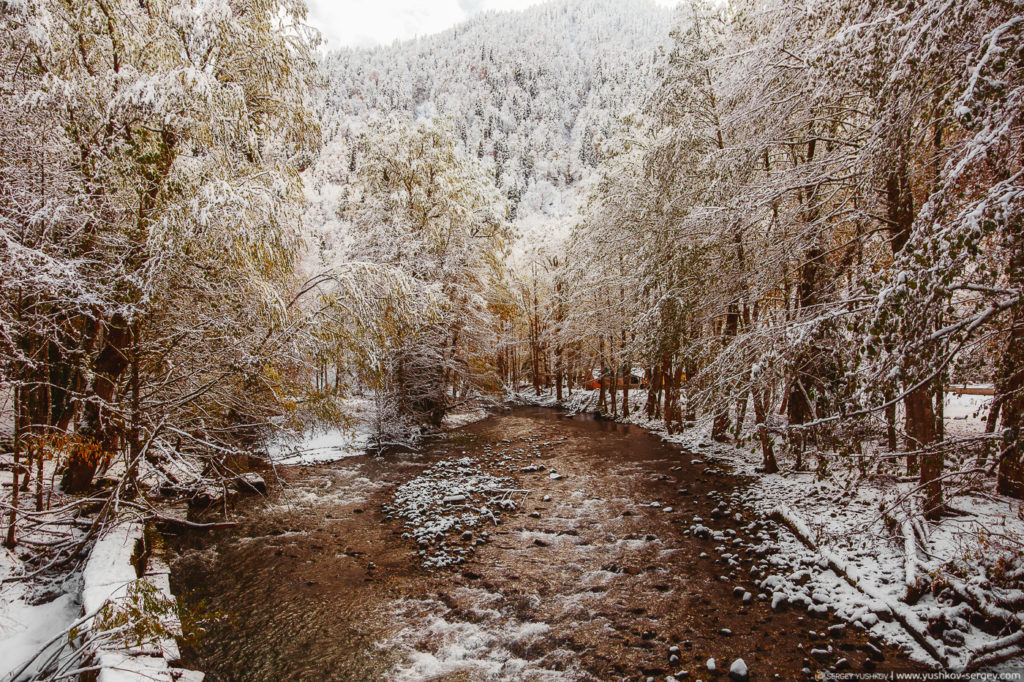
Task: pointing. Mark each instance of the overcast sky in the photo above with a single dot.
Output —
(364, 23)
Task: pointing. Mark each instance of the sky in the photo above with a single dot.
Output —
(364, 23)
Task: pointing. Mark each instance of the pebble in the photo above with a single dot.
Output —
(547, 498)
(711, 665)
(555, 477)
(666, 509)
(738, 671)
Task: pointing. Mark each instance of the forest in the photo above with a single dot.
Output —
(786, 232)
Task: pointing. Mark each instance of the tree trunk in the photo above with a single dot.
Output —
(653, 392)
(677, 408)
(741, 416)
(900, 206)
(559, 371)
(890, 422)
(720, 427)
(96, 429)
(12, 517)
(625, 392)
(671, 391)
(990, 427)
(613, 399)
(1010, 477)
(768, 461)
(691, 404)
(921, 426)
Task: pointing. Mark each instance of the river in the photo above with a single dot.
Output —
(599, 582)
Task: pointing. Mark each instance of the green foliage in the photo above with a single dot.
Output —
(141, 615)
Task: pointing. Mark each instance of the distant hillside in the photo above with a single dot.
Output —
(533, 94)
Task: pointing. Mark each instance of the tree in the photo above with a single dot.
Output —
(147, 241)
(420, 206)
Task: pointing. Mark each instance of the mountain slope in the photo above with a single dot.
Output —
(533, 94)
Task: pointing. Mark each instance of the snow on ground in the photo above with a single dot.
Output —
(455, 420)
(851, 520)
(32, 612)
(965, 414)
(26, 625)
(320, 446)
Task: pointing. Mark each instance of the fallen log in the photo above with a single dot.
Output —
(903, 615)
(910, 577)
(980, 603)
(976, 663)
(998, 644)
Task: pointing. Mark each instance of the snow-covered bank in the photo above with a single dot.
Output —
(320, 446)
(949, 592)
(28, 622)
(117, 619)
(126, 584)
(33, 611)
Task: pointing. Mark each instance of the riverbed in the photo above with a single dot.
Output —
(597, 575)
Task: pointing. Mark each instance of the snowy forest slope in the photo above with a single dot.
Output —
(534, 94)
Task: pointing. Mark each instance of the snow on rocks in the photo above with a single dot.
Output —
(447, 499)
(738, 671)
(251, 482)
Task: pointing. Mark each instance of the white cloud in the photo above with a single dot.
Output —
(364, 23)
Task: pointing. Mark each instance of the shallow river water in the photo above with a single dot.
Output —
(315, 583)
